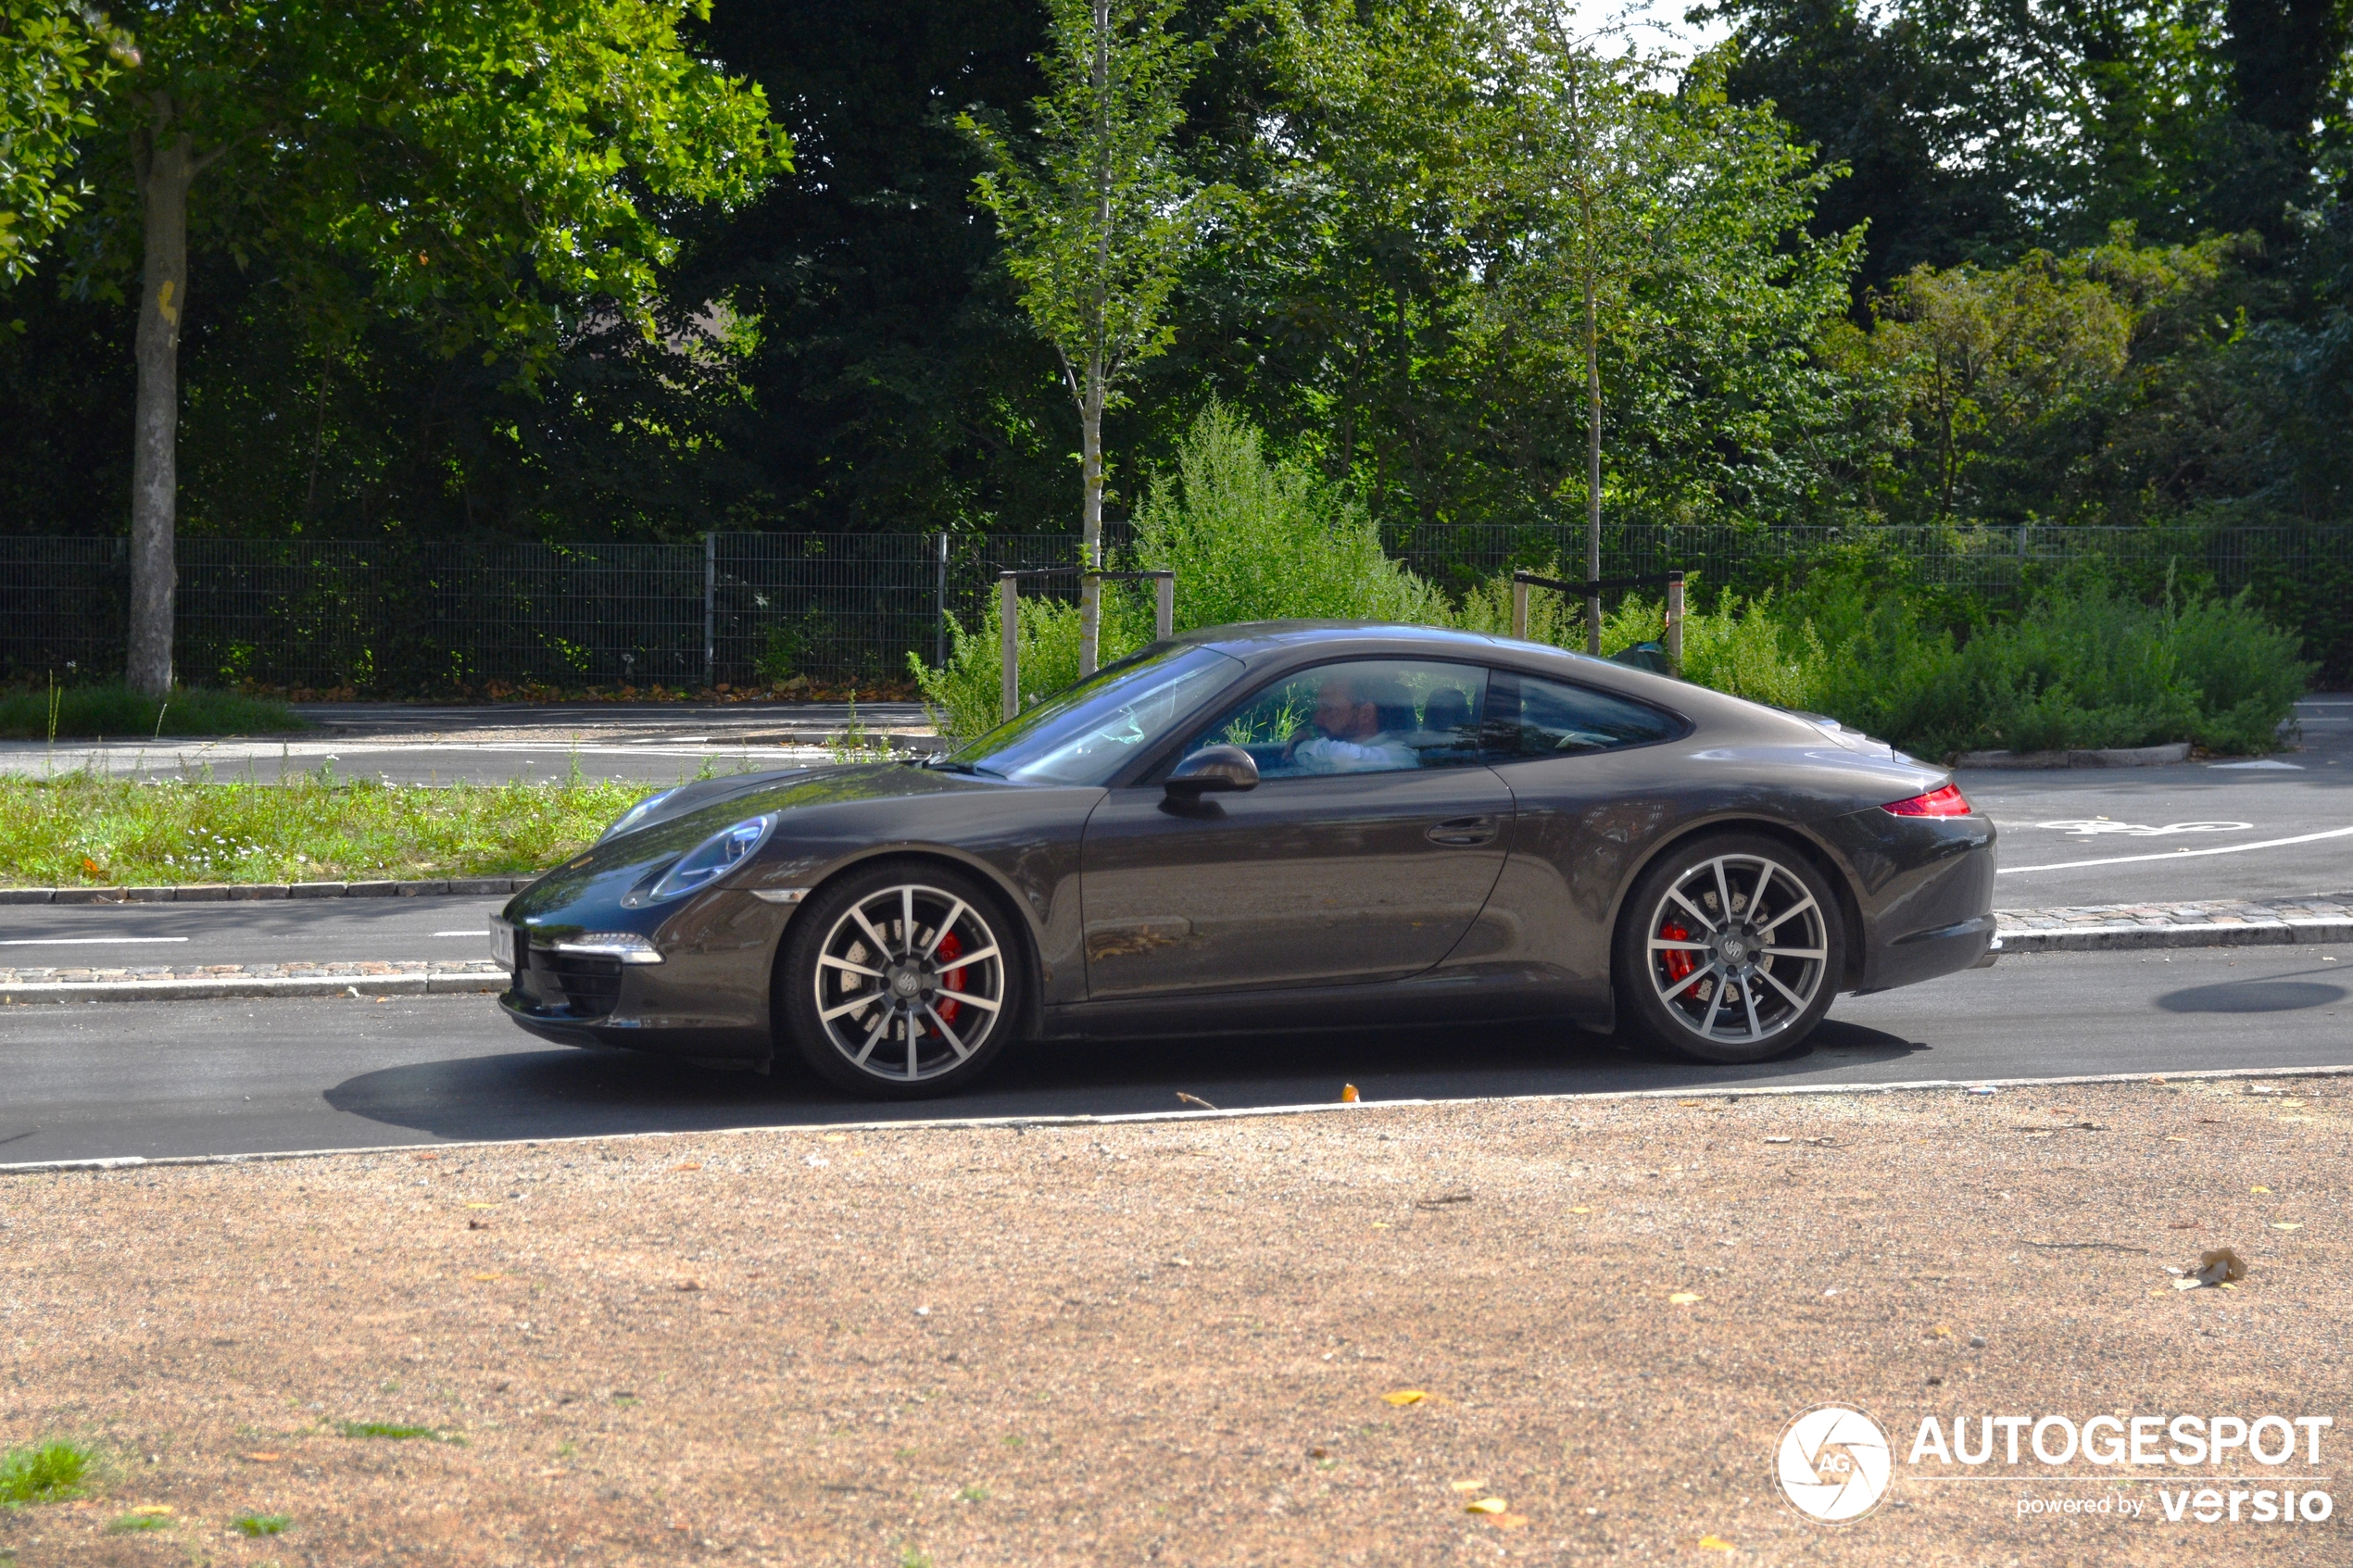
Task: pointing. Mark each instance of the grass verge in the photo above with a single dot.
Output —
(90, 713)
(259, 1525)
(43, 1473)
(87, 830)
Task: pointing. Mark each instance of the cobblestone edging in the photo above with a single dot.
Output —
(218, 892)
(2226, 923)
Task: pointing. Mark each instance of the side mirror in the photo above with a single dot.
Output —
(1213, 768)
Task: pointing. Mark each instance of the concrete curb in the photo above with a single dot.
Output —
(1017, 1123)
(218, 892)
(2127, 938)
(234, 989)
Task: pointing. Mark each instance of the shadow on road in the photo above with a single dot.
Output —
(578, 1093)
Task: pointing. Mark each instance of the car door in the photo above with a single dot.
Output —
(1586, 769)
(1366, 851)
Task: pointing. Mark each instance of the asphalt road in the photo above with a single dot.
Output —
(281, 931)
(156, 1079)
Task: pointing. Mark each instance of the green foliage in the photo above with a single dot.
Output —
(259, 1525)
(55, 60)
(967, 698)
(43, 1473)
(88, 712)
(139, 1523)
(84, 830)
(489, 172)
(1254, 539)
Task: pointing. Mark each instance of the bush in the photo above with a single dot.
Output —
(1252, 539)
(1249, 539)
(88, 712)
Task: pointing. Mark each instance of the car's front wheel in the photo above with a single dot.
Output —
(1729, 948)
(899, 981)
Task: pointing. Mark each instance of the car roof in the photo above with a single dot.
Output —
(1264, 643)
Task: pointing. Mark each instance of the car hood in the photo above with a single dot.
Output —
(603, 876)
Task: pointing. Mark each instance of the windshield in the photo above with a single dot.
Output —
(1083, 733)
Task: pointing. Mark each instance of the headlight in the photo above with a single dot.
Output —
(712, 858)
(635, 815)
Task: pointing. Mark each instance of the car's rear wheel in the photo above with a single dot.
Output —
(900, 981)
(1729, 948)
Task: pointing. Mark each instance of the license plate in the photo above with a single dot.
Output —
(503, 942)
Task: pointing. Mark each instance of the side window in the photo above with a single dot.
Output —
(1529, 717)
(1365, 716)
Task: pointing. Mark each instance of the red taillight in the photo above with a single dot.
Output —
(1946, 802)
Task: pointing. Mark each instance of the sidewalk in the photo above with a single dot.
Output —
(2219, 922)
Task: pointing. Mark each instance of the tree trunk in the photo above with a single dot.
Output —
(1090, 468)
(1593, 471)
(166, 170)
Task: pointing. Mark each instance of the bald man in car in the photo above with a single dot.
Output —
(1347, 734)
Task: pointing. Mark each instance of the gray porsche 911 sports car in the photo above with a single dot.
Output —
(1266, 827)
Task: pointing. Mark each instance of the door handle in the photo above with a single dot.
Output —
(1463, 832)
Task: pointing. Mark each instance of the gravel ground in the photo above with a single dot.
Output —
(1172, 1341)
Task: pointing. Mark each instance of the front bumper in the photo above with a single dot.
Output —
(706, 998)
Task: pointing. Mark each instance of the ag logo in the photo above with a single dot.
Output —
(1833, 1463)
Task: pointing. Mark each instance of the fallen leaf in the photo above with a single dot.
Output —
(1580, 1211)
(1405, 1397)
(690, 1284)
(261, 1458)
(485, 1279)
(2265, 1191)
(427, 1155)
(1779, 1140)
(152, 1511)
(688, 1165)
(1194, 1100)
(1486, 1505)
(1442, 1200)
(1715, 1543)
(1467, 1486)
(482, 1206)
(1348, 1095)
(1944, 1331)
(1683, 1298)
(477, 1225)
(2175, 1137)
(2288, 1225)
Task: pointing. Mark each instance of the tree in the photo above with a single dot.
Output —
(53, 60)
(1650, 224)
(504, 174)
(1098, 221)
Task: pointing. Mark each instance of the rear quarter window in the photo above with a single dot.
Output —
(1530, 717)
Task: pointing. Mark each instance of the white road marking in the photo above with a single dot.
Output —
(2267, 762)
(2083, 828)
(470, 930)
(2180, 854)
(84, 941)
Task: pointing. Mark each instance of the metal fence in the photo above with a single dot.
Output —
(412, 617)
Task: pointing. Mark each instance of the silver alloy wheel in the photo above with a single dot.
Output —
(1738, 949)
(909, 982)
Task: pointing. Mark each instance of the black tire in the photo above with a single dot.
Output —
(1707, 987)
(944, 1015)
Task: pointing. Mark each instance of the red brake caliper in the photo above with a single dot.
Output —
(948, 952)
(1679, 961)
